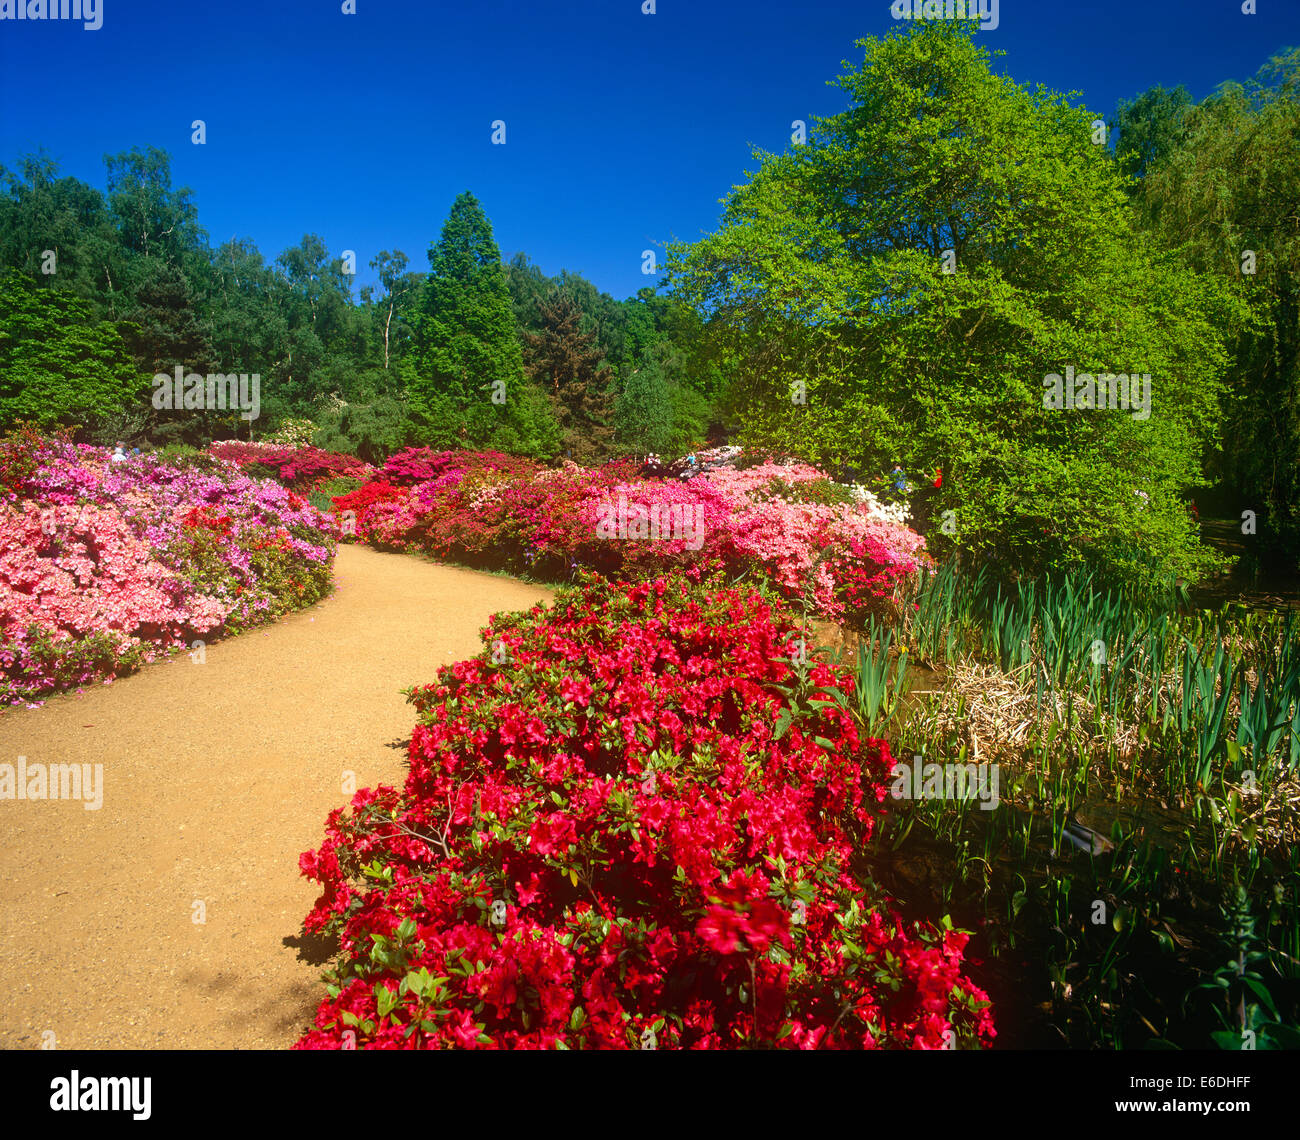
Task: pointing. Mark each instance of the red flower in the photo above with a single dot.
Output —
(552, 834)
(721, 930)
(576, 689)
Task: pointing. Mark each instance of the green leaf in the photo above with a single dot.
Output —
(385, 999)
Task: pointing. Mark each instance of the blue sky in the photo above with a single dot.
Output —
(623, 129)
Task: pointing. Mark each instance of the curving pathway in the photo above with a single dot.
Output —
(215, 777)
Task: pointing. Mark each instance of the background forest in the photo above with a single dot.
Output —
(818, 320)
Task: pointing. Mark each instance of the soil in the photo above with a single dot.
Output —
(216, 776)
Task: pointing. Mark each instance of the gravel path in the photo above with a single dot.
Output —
(216, 776)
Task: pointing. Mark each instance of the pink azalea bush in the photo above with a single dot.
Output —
(866, 552)
(106, 565)
(514, 514)
(78, 590)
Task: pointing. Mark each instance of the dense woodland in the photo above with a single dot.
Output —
(824, 318)
(103, 291)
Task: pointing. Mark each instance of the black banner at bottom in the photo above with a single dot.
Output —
(180, 1089)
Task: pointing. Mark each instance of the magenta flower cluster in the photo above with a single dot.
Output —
(106, 565)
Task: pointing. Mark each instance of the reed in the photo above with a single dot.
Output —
(880, 679)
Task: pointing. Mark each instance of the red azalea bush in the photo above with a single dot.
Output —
(368, 495)
(422, 464)
(575, 516)
(297, 467)
(242, 453)
(308, 465)
(492, 511)
(629, 824)
(415, 465)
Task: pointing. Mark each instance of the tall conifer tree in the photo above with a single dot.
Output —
(569, 366)
(466, 329)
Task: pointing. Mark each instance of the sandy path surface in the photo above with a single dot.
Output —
(215, 777)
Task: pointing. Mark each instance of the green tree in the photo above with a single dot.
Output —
(399, 288)
(152, 218)
(163, 330)
(373, 430)
(644, 415)
(313, 296)
(569, 366)
(528, 286)
(603, 316)
(529, 426)
(1149, 127)
(250, 331)
(58, 364)
(466, 329)
(1228, 198)
(826, 286)
(41, 212)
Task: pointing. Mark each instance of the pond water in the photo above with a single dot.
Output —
(1255, 581)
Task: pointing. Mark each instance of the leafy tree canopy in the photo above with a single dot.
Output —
(58, 364)
(826, 284)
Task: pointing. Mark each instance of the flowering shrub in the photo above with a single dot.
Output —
(368, 494)
(867, 554)
(422, 464)
(365, 503)
(297, 467)
(20, 456)
(626, 834)
(37, 659)
(877, 509)
(73, 574)
(241, 454)
(415, 465)
(307, 465)
(775, 521)
(293, 433)
(763, 481)
(105, 565)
